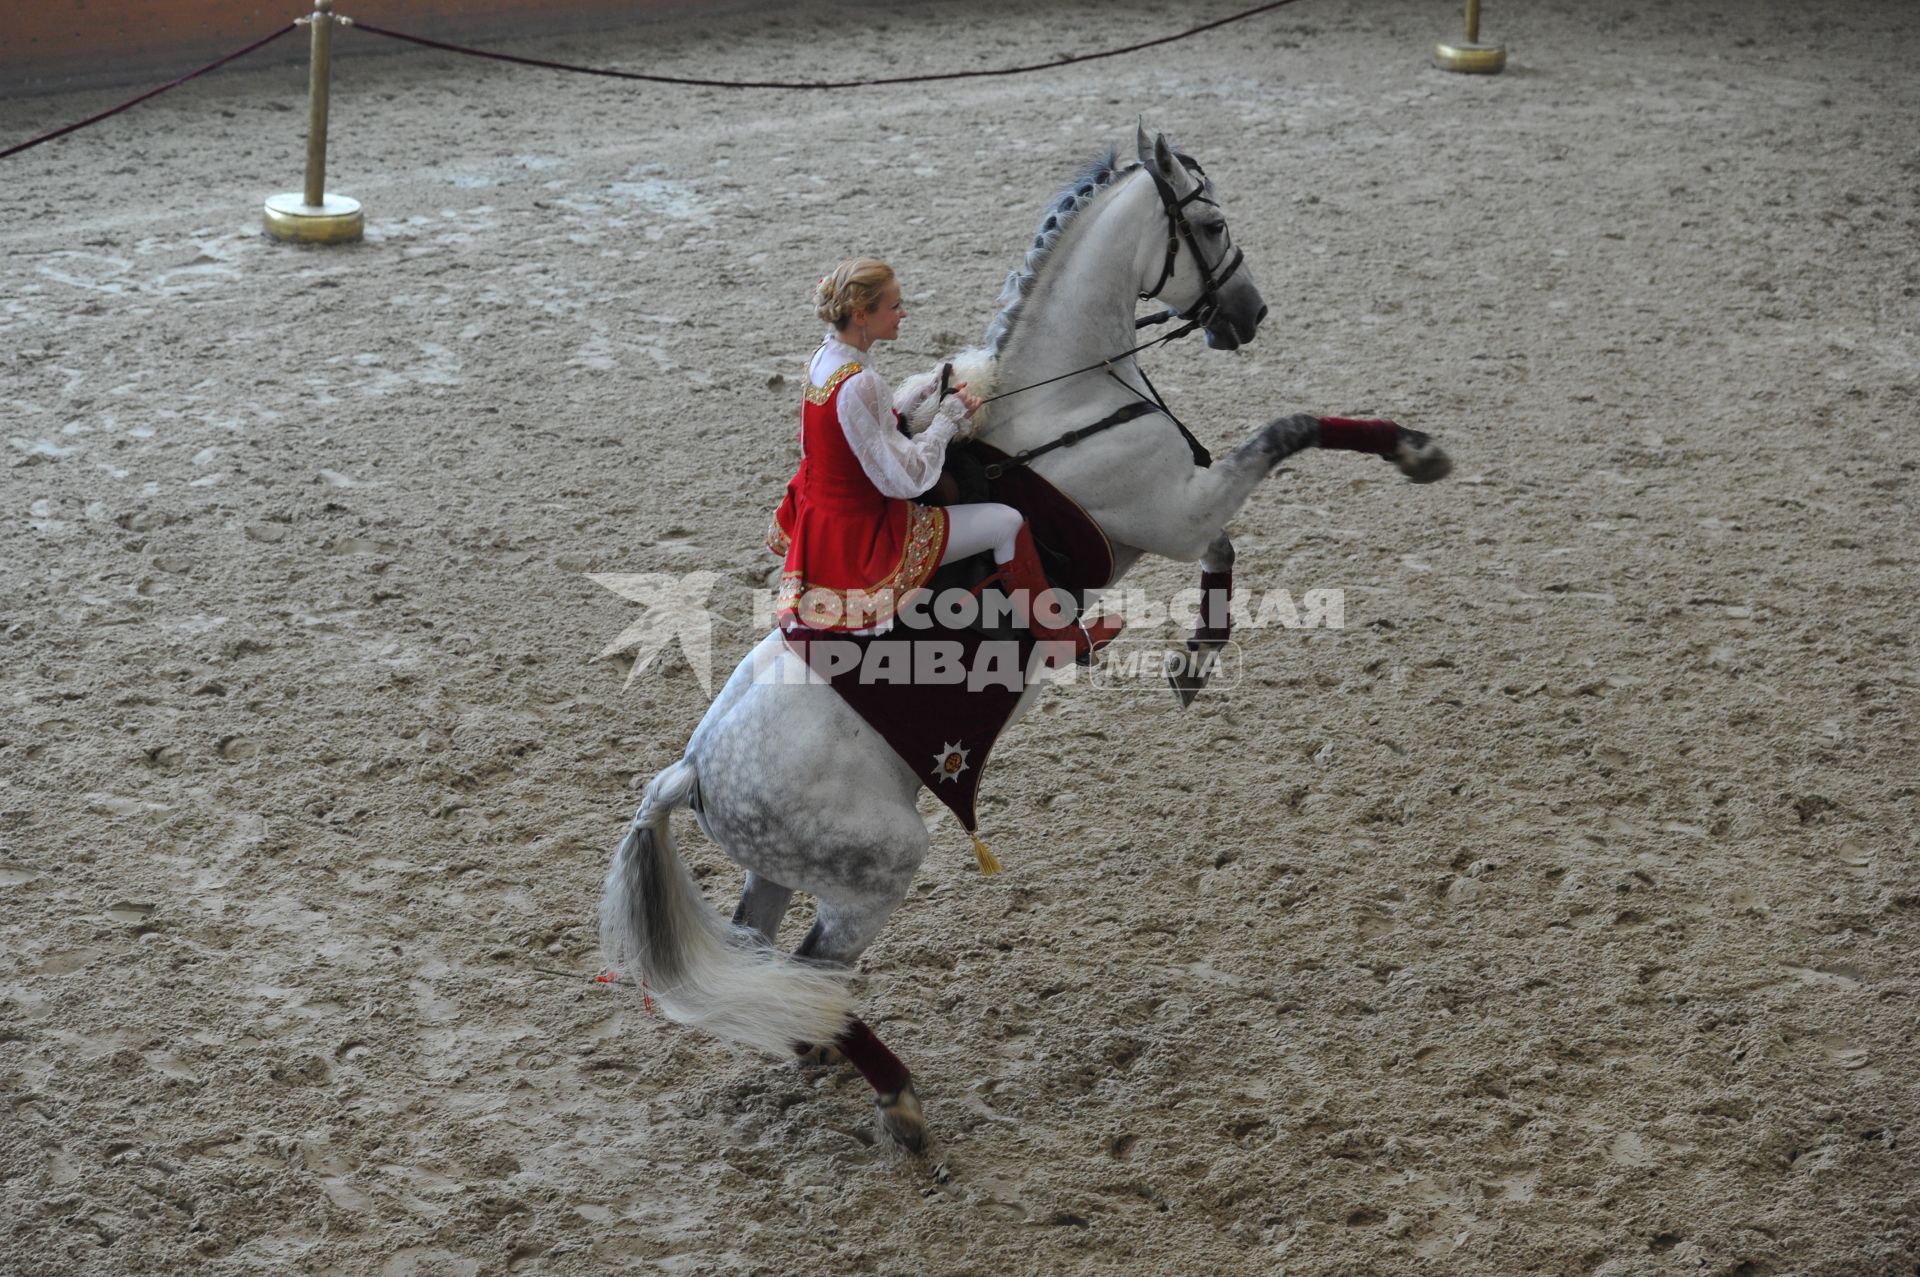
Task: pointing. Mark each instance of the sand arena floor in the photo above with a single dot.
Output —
(1554, 916)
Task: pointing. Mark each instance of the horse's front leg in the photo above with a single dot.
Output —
(1419, 457)
(1190, 674)
(1190, 519)
(1183, 522)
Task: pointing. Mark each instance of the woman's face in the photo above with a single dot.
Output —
(882, 323)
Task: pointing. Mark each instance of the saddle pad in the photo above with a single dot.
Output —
(945, 730)
(942, 726)
(1080, 556)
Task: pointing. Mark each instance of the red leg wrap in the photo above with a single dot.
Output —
(881, 1067)
(1360, 434)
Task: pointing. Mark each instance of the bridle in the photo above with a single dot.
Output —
(1213, 276)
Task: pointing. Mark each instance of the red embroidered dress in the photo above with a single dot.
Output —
(853, 553)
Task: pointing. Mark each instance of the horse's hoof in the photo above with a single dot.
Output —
(820, 1057)
(1420, 458)
(900, 1118)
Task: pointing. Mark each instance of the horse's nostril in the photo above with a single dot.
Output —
(1262, 315)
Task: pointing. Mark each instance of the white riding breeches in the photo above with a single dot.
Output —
(986, 525)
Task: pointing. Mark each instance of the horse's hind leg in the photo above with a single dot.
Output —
(893, 1093)
(840, 934)
(762, 905)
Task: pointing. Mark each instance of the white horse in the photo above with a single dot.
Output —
(793, 785)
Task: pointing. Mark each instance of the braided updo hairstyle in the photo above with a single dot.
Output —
(855, 284)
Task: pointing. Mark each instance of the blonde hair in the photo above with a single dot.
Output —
(855, 284)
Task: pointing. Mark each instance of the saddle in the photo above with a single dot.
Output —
(1074, 551)
(941, 727)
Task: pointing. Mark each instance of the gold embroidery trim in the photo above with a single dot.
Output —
(822, 607)
(777, 538)
(820, 394)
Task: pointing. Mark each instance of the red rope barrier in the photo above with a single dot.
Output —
(171, 84)
(814, 84)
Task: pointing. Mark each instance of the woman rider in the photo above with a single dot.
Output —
(856, 543)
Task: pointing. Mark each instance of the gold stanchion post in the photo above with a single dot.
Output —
(1470, 55)
(314, 216)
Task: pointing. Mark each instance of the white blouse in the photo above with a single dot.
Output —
(899, 466)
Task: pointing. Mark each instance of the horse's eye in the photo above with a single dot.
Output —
(1215, 228)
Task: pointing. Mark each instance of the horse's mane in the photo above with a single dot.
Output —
(979, 367)
(1088, 183)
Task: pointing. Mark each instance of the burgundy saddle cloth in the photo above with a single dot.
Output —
(940, 695)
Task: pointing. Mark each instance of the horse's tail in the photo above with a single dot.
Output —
(655, 924)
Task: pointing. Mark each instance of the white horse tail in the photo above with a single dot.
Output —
(702, 971)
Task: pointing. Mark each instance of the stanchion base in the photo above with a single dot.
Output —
(335, 220)
(1470, 58)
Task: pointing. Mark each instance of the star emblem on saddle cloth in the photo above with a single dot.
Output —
(950, 762)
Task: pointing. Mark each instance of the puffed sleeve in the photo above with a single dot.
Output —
(897, 465)
(916, 391)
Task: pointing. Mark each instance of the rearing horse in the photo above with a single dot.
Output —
(793, 785)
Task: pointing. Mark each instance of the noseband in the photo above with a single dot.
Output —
(1213, 277)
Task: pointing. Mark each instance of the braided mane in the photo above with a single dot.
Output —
(1085, 187)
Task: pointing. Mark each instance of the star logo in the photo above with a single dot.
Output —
(950, 762)
(676, 608)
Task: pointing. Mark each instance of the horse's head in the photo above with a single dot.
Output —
(1192, 265)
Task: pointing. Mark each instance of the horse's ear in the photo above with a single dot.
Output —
(1142, 148)
(1163, 160)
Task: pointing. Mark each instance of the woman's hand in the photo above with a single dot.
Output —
(957, 409)
(959, 404)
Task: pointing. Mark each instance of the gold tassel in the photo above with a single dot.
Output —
(988, 865)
